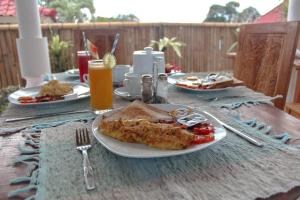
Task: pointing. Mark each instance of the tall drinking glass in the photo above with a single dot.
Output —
(101, 86)
(82, 59)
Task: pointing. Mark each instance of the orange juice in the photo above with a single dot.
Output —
(101, 87)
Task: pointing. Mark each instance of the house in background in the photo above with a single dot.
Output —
(8, 13)
(277, 14)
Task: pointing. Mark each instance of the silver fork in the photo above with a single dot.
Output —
(83, 144)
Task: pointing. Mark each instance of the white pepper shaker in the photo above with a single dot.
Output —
(147, 88)
(162, 88)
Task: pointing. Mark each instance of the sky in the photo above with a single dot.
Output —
(183, 11)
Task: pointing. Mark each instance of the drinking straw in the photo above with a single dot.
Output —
(113, 49)
(84, 41)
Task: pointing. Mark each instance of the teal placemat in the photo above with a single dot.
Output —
(230, 169)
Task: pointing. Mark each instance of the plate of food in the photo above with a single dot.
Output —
(203, 81)
(72, 72)
(140, 130)
(51, 92)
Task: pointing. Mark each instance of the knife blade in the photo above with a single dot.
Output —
(239, 133)
(45, 115)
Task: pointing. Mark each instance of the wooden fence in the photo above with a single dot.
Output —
(205, 50)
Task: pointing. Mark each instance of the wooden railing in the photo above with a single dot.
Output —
(205, 50)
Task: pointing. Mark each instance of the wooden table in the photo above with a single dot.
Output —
(280, 121)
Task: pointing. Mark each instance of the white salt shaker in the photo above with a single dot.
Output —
(162, 88)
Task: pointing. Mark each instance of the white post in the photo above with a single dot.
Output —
(32, 47)
(293, 15)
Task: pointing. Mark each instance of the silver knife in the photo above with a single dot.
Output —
(45, 115)
(239, 133)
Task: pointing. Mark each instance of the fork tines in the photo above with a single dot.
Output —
(82, 137)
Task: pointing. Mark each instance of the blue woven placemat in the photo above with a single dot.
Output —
(231, 169)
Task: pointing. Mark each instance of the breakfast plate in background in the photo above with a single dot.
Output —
(203, 82)
(79, 91)
(72, 72)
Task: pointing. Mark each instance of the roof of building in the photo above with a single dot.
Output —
(274, 15)
(8, 8)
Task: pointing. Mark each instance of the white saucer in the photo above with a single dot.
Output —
(122, 92)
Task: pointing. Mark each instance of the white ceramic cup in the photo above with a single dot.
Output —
(119, 71)
(132, 83)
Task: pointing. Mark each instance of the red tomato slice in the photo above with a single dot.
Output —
(203, 130)
(182, 85)
(203, 139)
(28, 101)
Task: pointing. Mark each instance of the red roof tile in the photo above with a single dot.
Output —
(275, 15)
(7, 8)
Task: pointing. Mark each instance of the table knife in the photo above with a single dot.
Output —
(239, 133)
(45, 115)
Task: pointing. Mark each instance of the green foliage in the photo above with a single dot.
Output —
(165, 42)
(285, 8)
(3, 96)
(58, 53)
(119, 18)
(70, 10)
(249, 15)
(229, 13)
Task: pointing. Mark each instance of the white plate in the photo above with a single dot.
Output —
(122, 92)
(72, 72)
(172, 79)
(79, 91)
(133, 150)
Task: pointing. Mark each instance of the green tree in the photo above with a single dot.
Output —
(129, 17)
(119, 18)
(70, 10)
(217, 13)
(229, 13)
(249, 15)
(232, 14)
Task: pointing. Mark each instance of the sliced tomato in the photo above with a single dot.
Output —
(203, 139)
(182, 85)
(25, 98)
(28, 101)
(203, 130)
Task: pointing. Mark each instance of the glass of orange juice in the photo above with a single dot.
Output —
(101, 86)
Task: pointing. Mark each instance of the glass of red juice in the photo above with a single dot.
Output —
(82, 59)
